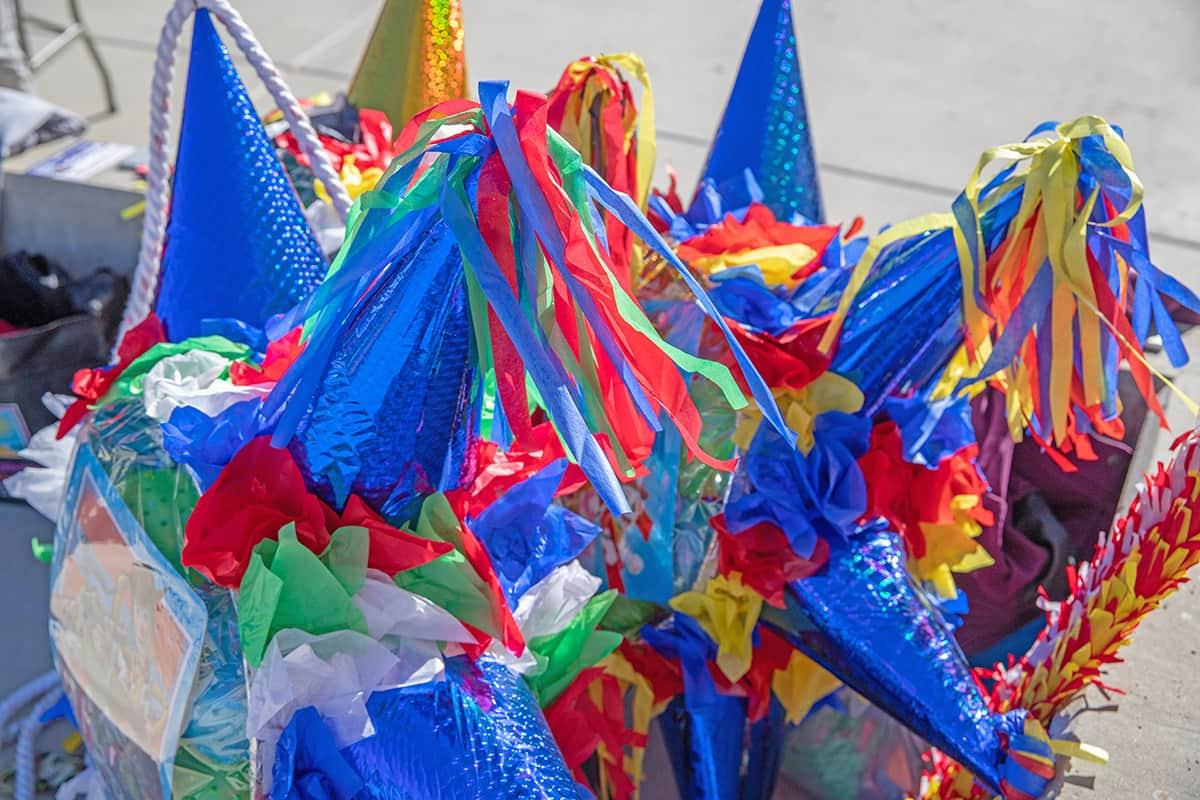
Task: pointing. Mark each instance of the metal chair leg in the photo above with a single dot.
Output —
(64, 36)
(85, 33)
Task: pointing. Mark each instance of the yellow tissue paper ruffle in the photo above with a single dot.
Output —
(951, 547)
(777, 262)
(829, 392)
(727, 610)
(801, 685)
(357, 181)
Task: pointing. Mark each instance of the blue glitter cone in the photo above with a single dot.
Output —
(238, 245)
(874, 630)
(765, 126)
(392, 415)
(479, 733)
(705, 745)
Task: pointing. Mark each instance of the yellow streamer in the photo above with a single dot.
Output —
(900, 231)
(1048, 170)
(647, 146)
(1080, 750)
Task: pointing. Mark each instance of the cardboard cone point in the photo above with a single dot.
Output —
(765, 126)
(871, 627)
(238, 245)
(414, 59)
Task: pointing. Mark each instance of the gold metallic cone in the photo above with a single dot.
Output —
(415, 58)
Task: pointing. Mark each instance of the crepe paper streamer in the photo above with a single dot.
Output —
(619, 136)
(661, 550)
(416, 58)
(622, 766)
(765, 127)
(588, 719)
(1043, 250)
(592, 108)
(237, 244)
(623, 207)
(1137, 565)
(479, 732)
(287, 586)
(513, 205)
(564, 654)
(874, 631)
(259, 492)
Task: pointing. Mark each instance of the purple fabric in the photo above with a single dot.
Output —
(1003, 597)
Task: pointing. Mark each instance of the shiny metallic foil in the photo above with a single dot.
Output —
(876, 632)
(478, 734)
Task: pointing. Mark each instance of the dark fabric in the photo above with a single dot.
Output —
(44, 359)
(55, 326)
(1044, 517)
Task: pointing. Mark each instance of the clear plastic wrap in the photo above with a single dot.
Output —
(149, 656)
(855, 751)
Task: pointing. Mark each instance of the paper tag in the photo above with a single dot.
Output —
(81, 161)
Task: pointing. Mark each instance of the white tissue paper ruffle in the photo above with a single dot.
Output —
(194, 379)
(42, 487)
(551, 603)
(394, 612)
(546, 608)
(335, 673)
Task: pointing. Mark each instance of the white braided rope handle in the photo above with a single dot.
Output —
(158, 185)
